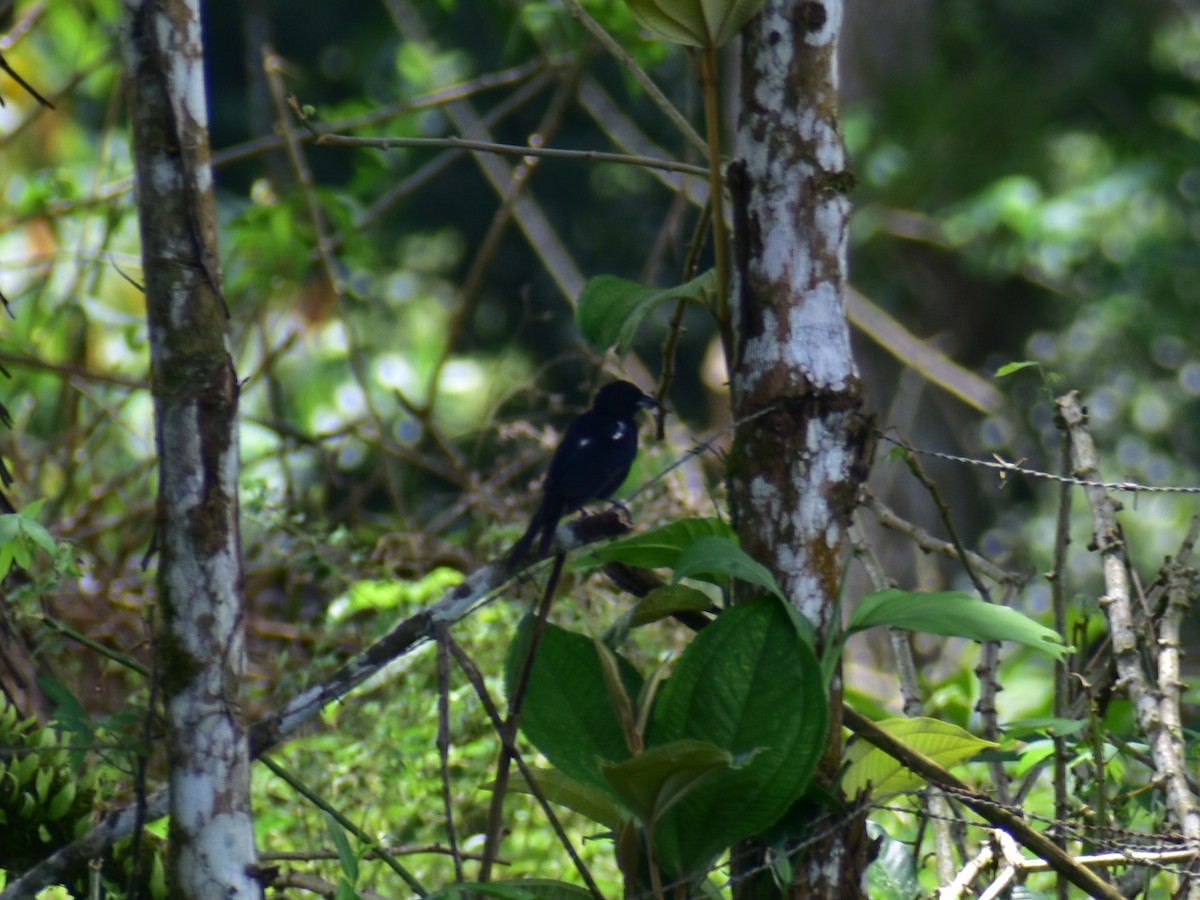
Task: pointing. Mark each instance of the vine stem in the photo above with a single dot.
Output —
(706, 65)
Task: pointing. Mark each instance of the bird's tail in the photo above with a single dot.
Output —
(543, 525)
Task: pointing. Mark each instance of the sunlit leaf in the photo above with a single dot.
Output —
(1010, 368)
(873, 770)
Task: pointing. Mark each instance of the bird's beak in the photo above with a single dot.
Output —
(647, 403)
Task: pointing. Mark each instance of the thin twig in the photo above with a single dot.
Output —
(443, 745)
(910, 692)
(319, 802)
(476, 679)
(511, 724)
(273, 68)
(630, 65)
(522, 150)
(473, 281)
(1058, 592)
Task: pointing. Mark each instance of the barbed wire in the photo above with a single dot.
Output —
(996, 463)
(1112, 839)
(1005, 467)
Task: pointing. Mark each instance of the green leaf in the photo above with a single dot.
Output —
(68, 711)
(666, 601)
(558, 788)
(20, 554)
(656, 779)
(61, 802)
(694, 23)
(660, 603)
(749, 684)
(32, 509)
(23, 768)
(611, 309)
(1010, 368)
(657, 549)
(567, 714)
(618, 696)
(39, 535)
(10, 527)
(718, 559)
(41, 784)
(954, 614)
(158, 872)
(344, 851)
(873, 770)
(1032, 754)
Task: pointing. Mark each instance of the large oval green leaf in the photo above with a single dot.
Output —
(567, 712)
(749, 684)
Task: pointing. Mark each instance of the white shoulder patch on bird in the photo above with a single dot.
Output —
(619, 431)
(583, 442)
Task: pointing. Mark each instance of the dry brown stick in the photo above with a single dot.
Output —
(442, 161)
(888, 518)
(1118, 608)
(989, 657)
(1058, 590)
(23, 83)
(508, 735)
(629, 64)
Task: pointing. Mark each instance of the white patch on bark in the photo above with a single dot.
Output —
(818, 339)
(185, 59)
(218, 856)
(764, 496)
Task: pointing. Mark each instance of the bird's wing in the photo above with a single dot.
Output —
(593, 459)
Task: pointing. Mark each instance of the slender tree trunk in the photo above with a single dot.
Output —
(797, 464)
(200, 658)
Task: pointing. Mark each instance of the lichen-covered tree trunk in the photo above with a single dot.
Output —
(798, 457)
(200, 657)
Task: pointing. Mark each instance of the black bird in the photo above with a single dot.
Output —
(592, 460)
